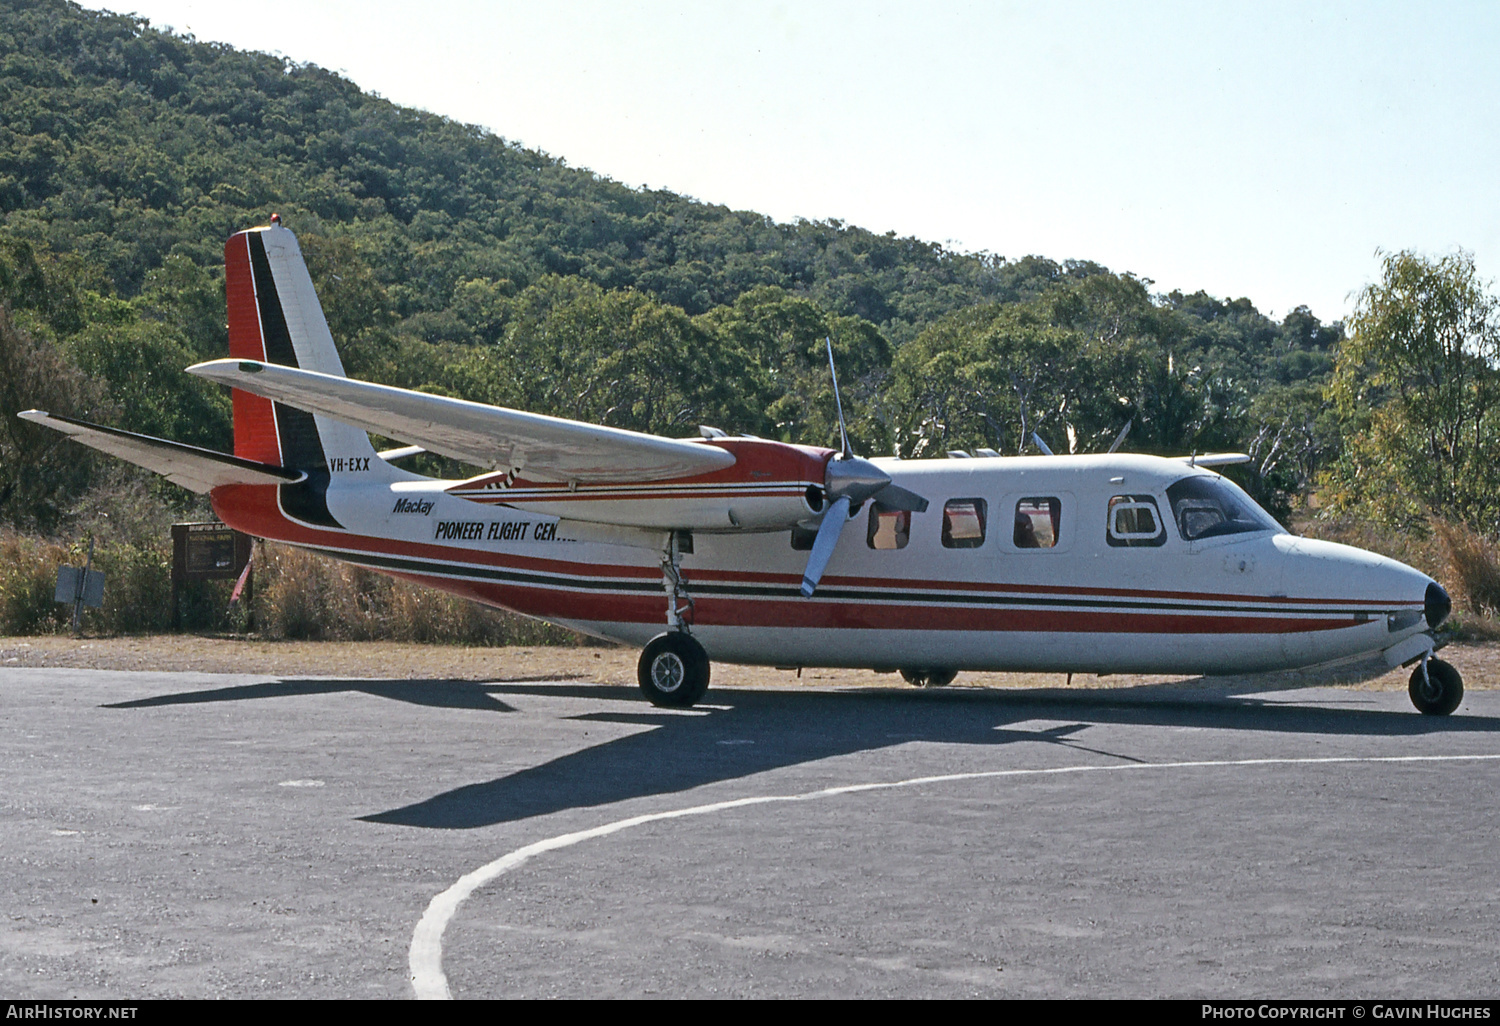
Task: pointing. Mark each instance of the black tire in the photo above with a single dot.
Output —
(1439, 692)
(673, 670)
(925, 678)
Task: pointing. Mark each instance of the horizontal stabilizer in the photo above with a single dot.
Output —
(390, 455)
(1215, 459)
(544, 448)
(198, 470)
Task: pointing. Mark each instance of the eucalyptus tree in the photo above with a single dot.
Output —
(1418, 384)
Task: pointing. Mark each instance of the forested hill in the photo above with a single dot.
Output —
(132, 144)
(450, 259)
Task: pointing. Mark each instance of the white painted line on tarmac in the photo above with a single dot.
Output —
(425, 956)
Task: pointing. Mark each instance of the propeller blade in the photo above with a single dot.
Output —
(843, 432)
(823, 544)
(1120, 438)
(894, 497)
(1041, 444)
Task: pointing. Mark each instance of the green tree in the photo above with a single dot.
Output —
(620, 358)
(784, 335)
(140, 362)
(1073, 364)
(987, 378)
(1418, 386)
(41, 471)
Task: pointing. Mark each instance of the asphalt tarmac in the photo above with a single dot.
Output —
(193, 835)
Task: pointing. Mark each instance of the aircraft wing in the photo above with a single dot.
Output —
(545, 448)
(198, 470)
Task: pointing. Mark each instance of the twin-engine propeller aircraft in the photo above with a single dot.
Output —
(750, 551)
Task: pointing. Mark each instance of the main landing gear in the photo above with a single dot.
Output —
(927, 678)
(673, 670)
(1436, 687)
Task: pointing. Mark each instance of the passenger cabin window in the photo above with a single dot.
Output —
(1134, 521)
(1038, 521)
(888, 529)
(963, 523)
(1208, 507)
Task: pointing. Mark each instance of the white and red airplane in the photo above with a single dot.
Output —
(743, 550)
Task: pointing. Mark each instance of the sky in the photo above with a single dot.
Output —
(1268, 150)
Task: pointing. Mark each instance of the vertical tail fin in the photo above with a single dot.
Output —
(275, 316)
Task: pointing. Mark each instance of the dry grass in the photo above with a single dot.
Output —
(1473, 566)
(298, 596)
(302, 596)
(28, 577)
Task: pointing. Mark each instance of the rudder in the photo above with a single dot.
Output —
(275, 317)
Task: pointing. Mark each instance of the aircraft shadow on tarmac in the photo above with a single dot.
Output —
(438, 694)
(739, 733)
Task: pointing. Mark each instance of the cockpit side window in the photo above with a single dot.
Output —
(1134, 521)
(1038, 521)
(963, 523)
(1211, 507)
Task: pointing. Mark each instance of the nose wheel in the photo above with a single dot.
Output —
(673, 670)
(1436, 688)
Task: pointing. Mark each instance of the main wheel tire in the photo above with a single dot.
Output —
(673, 670)
(925, 678)
(1439, 691)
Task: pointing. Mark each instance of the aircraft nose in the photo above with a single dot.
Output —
(1438, 605)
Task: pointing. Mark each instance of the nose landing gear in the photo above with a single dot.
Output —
(1436, 687)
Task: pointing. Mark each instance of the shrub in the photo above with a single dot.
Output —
(28, 578)
(301, 595)
(137, 585)
(297, 595)
(1472, 564)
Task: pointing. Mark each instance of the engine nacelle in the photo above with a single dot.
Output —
(771, 487)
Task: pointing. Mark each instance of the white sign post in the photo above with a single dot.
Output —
(80, 588)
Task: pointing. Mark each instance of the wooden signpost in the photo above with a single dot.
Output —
(209, 551)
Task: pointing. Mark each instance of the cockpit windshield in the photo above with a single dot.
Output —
(1209, 507)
